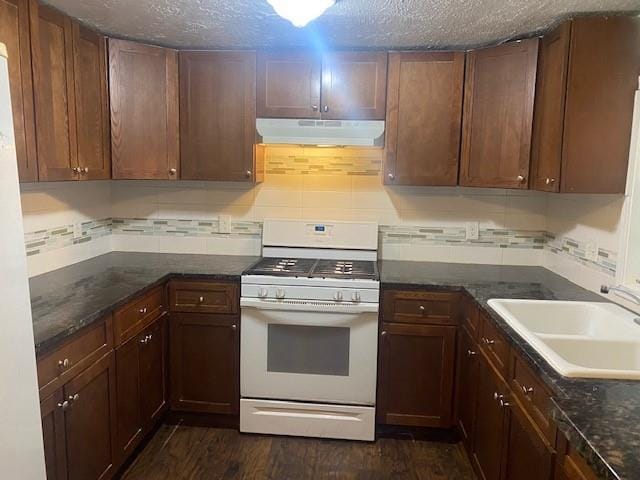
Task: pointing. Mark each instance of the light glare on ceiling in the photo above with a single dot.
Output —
(300, 12)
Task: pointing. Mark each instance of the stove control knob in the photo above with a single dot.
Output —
(280, 293)
(355, 297)
(263, 292)
(337, 296)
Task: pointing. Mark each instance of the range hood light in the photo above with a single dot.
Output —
(300, 12)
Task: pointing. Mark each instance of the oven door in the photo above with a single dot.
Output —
(309, 351)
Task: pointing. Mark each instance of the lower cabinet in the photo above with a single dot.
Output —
(79, 425)
(141, 366)
(467, 383)
(205, 357)
(415, 386)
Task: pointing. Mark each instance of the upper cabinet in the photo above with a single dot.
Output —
(143, 86)
(424, 116)
(55, 110)
(584, 107)
(498, 115)
(92, 103)
(288, 85)
(218, 115)
(338, 86)
(14, 33)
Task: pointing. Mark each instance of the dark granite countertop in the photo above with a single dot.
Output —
(601, 418)
(65, 300)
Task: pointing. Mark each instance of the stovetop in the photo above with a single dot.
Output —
(316, 268)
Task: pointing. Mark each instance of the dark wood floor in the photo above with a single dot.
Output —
(185, 452)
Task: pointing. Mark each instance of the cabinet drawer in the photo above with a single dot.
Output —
(420, 307)
(533, 395)
(138, 314)
(204, 297)
(62, 364)
(495, 345)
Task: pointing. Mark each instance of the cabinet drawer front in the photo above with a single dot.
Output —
(204, 297)
(59, 366)
(420, 307)
(533, 395)
(495, 345)
(135, 316)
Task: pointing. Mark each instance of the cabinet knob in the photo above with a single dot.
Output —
(73, 398)
(488, 342)
(314, 108)
(63, 405)
(504, 403)
(521, 178)
(144, 340)
(421, 308)
(248, 173)
(326, 108)
(550, 181)
(383, 333)
(527, 390)
(172, 171)
(64, 364)
(471, 353)
(234, 326)
(200, 299)
(391, 176)
(76, 169)
(143, 310)
(84, 170)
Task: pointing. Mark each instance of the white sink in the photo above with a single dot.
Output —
(578, 339)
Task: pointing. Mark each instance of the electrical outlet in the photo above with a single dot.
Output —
(591, 251)
(473, 231)
(224, 224)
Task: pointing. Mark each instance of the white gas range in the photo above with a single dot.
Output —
(309, 328)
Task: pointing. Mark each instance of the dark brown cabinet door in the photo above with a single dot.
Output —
(92, 105)
(143, 88)
(129, 425)
(90, 421)
(354, 85)
(468, 353)
(204, 363)
(14, 33)
(218, 115)
(51, 410)
(604, 64)
(529, 456)
(546, 150)
(416, 378)
(55, 110)
(490, 422)
(153, 372)
(288, 85)
(424, 117)
(498, 115)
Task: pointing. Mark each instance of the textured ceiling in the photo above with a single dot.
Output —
(350, 23)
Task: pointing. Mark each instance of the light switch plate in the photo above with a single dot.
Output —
(473, 231)
(224, 224)
(591, 251)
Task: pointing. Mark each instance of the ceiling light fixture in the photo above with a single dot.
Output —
(300, 12)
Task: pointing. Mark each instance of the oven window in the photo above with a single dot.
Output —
(308, 349)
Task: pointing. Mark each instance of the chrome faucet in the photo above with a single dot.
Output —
(624, 291)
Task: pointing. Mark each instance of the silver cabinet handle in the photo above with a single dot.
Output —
(471, 353)
(144, 341)
(64, 405)
(488, 342)
(84, 170)
(73, 398)
(143, 310)
(326, 108)
(521, 178)
(383, 333)
(234, 326)
(248, 173)
(550, 181)
(504, 403)
(314, 108)
(200, 299)
(64, 364)
(527, 390)
(172, 171)
(391, 176)
(421, 308)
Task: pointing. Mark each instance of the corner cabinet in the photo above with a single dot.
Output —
(498, 115)
(424, 118)
(589, 70)
(143, 87)
(15, 34)
(218, 116)
(338, 85)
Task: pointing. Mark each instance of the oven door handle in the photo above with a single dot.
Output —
(309, 306)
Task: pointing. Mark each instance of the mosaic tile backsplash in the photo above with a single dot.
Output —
(63, 236)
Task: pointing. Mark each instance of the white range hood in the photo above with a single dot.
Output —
(344, 133)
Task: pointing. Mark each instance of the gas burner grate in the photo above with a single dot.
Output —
(296, 267)
(360, 269)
